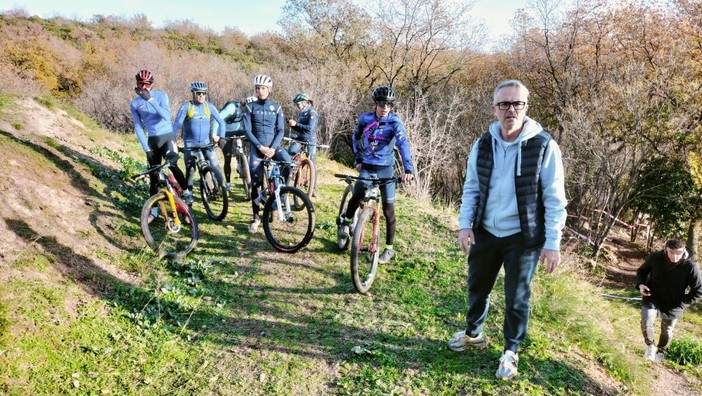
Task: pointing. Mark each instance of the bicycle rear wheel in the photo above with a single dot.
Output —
(343, 242)
(290, 230)
(305, 178)
(170, 239)
(244, 174)
(365, 250)
(214, 196)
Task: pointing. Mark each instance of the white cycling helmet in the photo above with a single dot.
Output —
(264, 80)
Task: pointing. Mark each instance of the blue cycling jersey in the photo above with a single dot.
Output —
(306, 128)
(197, 130)
(152, 117)
(374, 141)
(264, 124)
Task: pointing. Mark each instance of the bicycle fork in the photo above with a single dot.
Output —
(173, 224)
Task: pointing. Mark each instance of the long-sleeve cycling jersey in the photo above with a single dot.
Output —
(152, 116)
(306, 127)
(264, 123)
(197, 129)
(234, 110)
(374, 141)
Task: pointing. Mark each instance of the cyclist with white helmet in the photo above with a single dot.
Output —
(151, 112)
(195, 117)
(305, 128)
(264, 126)
(374, 139)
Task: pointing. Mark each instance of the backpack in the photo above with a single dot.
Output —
(236, 116)
(191, 110)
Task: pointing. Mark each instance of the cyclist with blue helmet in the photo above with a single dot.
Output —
(195, 117)
(151, 113)
(264, 126)
(374, 139)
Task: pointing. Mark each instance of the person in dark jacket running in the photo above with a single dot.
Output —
(669, 283)
(264, 126)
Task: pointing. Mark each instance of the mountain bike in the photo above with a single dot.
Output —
(214, 195)
(303, 173)
(364, 230)
(167, 222)
(287, 229)
(242, 164)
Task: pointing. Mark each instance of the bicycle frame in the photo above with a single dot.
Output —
(275, 181)
(169, 186)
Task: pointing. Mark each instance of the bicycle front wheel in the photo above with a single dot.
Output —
(244, 174)
(365, 250)
(343, 242)
(214, 196)
(169, 238)
(287, 230)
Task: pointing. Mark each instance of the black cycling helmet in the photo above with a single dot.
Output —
(384, 93)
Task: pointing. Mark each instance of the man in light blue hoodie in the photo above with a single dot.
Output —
(512, 213)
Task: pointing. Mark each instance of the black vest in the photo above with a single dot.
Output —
(527, 186)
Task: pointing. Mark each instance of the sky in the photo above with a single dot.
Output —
(249, 16)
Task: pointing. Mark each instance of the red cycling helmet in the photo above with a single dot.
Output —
(145, 76)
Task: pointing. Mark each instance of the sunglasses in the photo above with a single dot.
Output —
(200, 93)
(143, 84)
(384, 103)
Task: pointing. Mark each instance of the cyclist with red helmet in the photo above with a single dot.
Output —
(195, 117)
(374, 139)
(264, 126)
(151, 113)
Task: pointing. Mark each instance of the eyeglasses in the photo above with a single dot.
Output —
(506, 105)
(384, 103)
(200, 93)
(143, 84)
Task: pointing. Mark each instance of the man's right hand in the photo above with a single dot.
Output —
(644, 290)
(465, 239)
(144, 93)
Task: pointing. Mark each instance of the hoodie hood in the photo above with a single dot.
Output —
(530, 128)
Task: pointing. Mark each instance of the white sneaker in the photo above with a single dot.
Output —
(650, 353)
(188, 197)
(253, 227)
(508, 366)
(228, 186)
(153, 215)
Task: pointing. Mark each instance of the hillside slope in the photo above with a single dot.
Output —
(85, 308)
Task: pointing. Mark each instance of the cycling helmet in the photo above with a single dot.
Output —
(198, 86)
(264, 80)
(384, 93)
(301, 97)
(251, 99)
(145, 76)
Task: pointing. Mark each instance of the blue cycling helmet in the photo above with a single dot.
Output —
(198, 86)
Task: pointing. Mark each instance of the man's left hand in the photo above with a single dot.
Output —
(407, 177)
(552, 259)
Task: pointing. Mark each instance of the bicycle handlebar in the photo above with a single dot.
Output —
(289, 139)
(153, 169)
(208, 145)
(378, 181)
